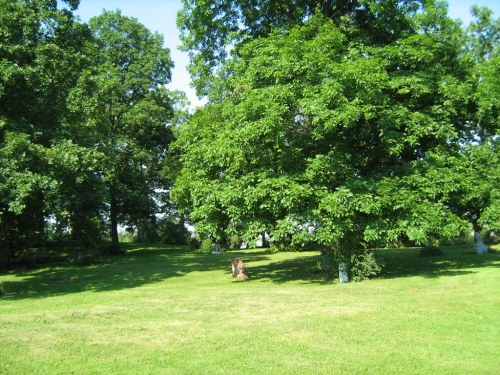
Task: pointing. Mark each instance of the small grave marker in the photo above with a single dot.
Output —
(238, 269)
(479, 246)
(343, 277)
(216, 248)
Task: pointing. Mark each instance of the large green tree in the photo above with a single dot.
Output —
(40, 57)
(121, 107)
(329, 127)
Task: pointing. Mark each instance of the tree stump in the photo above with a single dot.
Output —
(238, 269)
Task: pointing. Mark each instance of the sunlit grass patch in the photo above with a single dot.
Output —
(165, 310)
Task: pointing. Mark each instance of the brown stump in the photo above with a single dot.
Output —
(238, 268)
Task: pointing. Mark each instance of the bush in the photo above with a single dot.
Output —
(111, 249)
(26, 257)
(128, 236)
(2, 289)
(146, 231)
(430, 251)
(274, 249)
(84, 256)
(326, 264)
(235, 242)
(365, 265)
(361, 264)
(493, 237)
(206, 246)
(278, 246)
(173, 232)
(193, 243)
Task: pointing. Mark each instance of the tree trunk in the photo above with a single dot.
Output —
(141, 231)
(326, 262)
(265, 244)
(113, 214)
(182, 229)
(40, 230)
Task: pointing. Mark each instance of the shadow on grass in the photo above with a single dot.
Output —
(455, 261)
(141, 265)
(406, 262)
(300, 268)
(149, 264)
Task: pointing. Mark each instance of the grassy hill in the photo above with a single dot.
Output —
(165, 310)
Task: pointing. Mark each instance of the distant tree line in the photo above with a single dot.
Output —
(85, 124)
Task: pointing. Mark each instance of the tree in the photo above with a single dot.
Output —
(78, 201)
(120, 106)
(324, 130)
(480, 138)
(39, 62)
(84, 125)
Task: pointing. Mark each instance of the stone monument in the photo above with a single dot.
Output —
(343, 277)
(216, 248)
(479, 246)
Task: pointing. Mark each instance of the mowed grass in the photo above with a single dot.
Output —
(165, 310)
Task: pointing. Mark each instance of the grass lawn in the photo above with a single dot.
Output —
(164, 310)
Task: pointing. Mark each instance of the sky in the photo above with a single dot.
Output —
(160, 16)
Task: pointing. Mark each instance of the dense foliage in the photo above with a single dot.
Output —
(331, 124)
(84, 126)
(208, 28)
(338, 127)
(120, 107)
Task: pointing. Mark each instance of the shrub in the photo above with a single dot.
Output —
(277, 247)
(365, 265)
(110, 249)
(128, 236)
(27, 257)
(493, 237)
(193, 243)
(2, 289)
(361, 264)
(274, 249)
(84, 256)
(327, 262)
(235, 242)
(173, 232)
(206, 246)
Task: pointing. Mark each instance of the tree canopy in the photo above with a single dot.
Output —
(84, 125)
(335, 126)
(210, 30)
(121, 106)
(39, 63)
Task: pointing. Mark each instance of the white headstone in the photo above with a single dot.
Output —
(216, 248)
(479, 246)
(343, 277)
